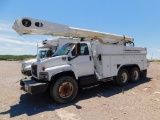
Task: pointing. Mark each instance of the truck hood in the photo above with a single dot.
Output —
(29, 61)
(53, 61)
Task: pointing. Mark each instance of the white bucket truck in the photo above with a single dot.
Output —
(97, 57)
(49, 46)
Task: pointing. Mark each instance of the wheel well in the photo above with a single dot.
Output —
(128, 67)
(64, 73)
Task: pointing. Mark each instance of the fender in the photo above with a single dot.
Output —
(128, 65)
(61, 72)
(60, 69)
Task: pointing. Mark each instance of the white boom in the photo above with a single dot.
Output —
(34, 26)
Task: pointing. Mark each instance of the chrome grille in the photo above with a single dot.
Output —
(34, 70)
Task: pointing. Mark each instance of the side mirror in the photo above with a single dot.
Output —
(77, 49)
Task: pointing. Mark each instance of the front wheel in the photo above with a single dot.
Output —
(64, 89)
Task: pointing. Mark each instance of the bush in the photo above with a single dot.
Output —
(16, 57)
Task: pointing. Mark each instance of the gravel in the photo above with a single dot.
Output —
(140, 101)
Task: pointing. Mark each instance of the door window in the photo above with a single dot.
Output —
(83, 48)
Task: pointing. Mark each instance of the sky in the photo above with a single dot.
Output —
(139, 19)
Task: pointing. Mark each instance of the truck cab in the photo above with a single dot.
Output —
(66, 59)
(49, 46)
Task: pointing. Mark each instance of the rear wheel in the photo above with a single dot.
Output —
(122, 77)
(134, 74)
(64, 89)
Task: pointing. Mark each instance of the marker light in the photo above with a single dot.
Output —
(95, 37)
(43, 68)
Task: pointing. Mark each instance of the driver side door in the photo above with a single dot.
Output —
(83, 64)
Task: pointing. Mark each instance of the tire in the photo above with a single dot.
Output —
(134, 74)
(122, 78)
(144, 74)
(64, 89)
(114, 80)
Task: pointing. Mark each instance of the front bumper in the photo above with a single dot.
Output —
(33, 86)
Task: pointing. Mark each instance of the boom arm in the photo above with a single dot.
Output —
(34, 26)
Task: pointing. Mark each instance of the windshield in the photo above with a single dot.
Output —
(64, 50)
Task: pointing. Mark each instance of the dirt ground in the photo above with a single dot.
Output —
(138, 101)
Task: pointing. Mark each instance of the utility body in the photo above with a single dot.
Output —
(98, 57)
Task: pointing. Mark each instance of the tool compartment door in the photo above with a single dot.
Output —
(106, 66)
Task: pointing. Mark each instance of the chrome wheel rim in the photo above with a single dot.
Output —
(136, 75)
(124, 77)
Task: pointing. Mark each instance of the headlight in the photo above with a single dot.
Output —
(23, 66)
(43, 76)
